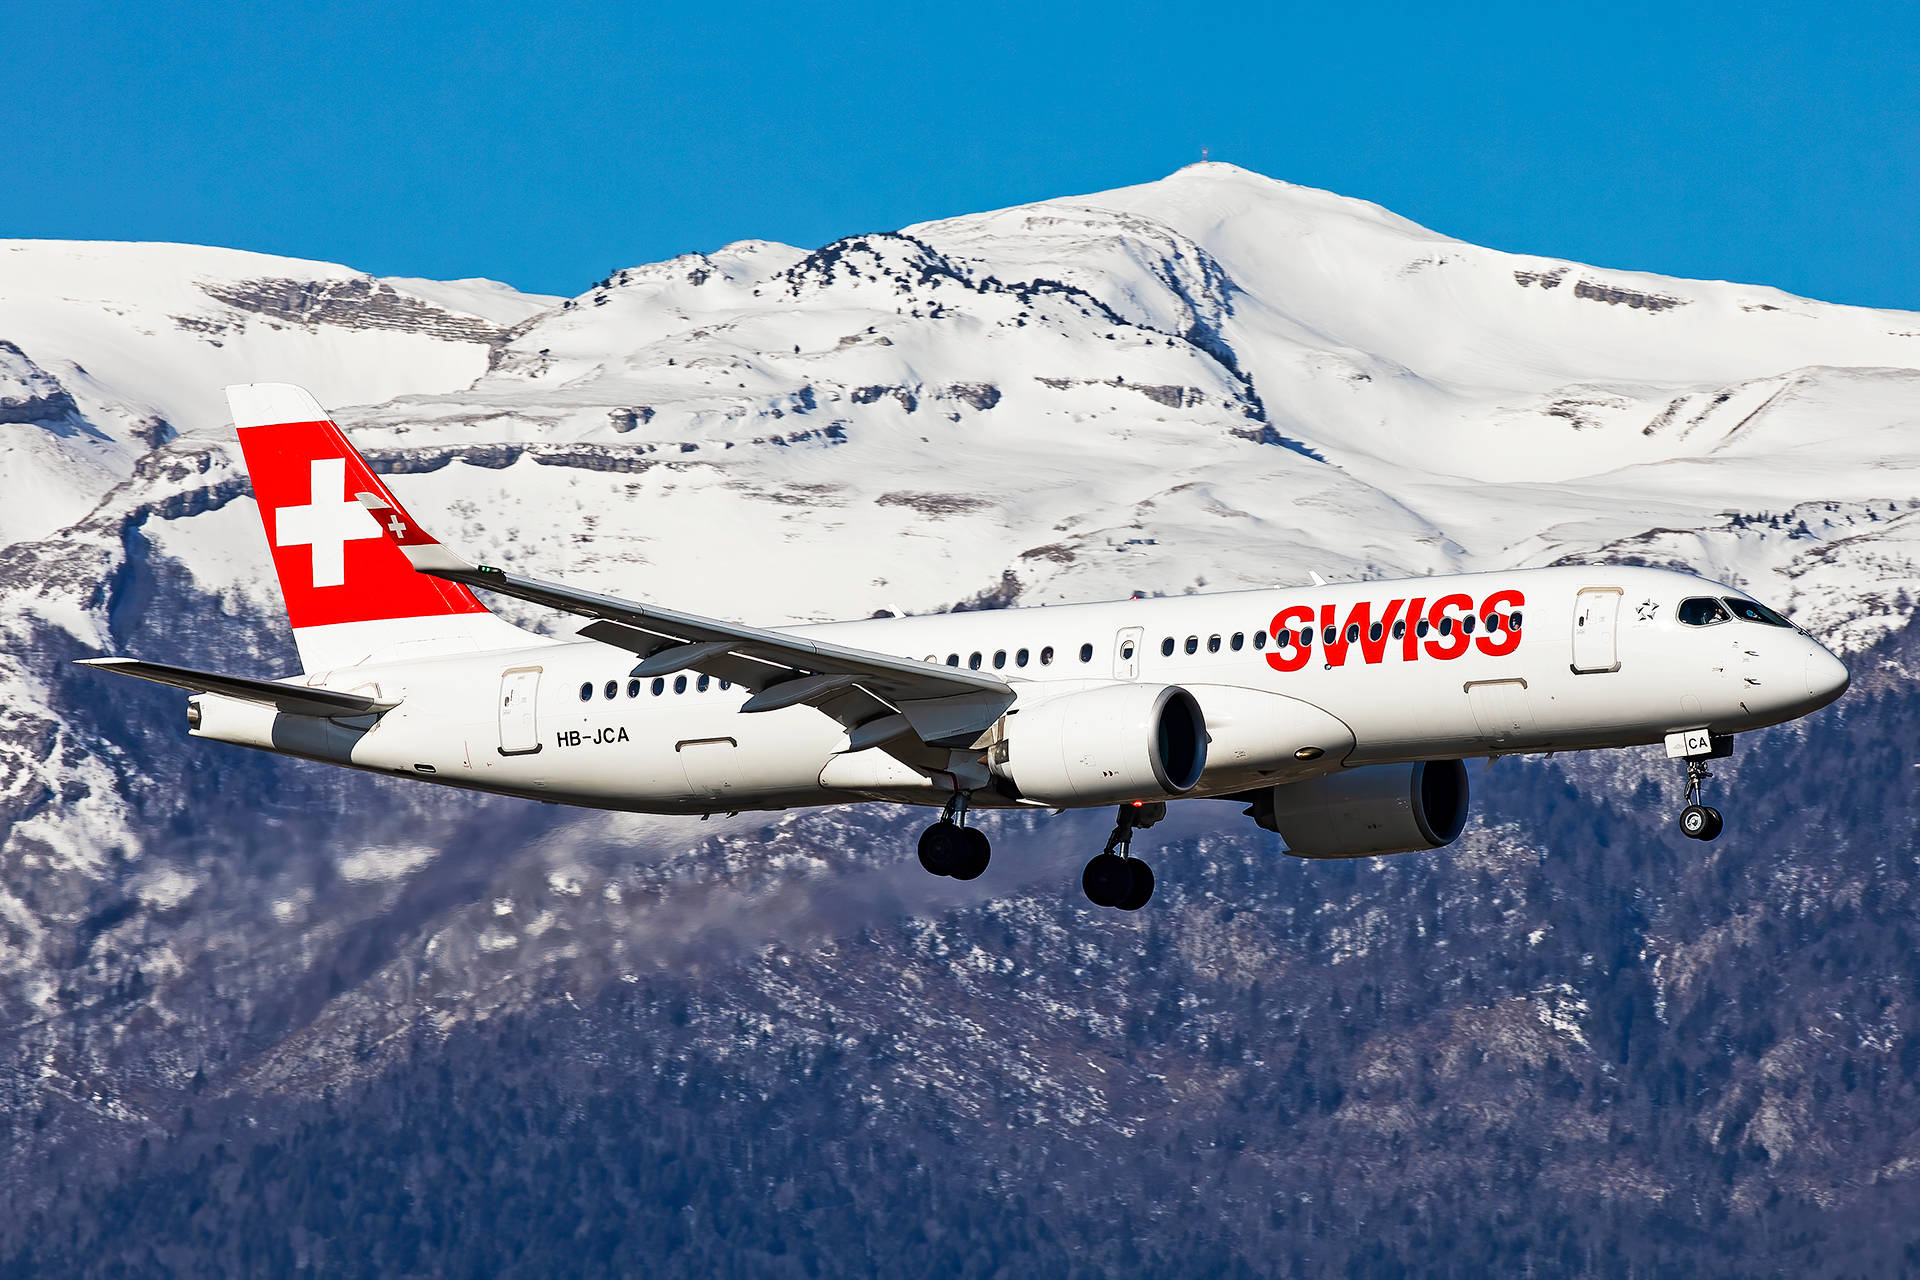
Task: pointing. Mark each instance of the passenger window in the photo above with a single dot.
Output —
(1239, 641)
(725, 685)
(1213, 644)
(1046, 656)
(1020, 658)
(1446, 625)
(953, 659)
(1330, 634)
(973, 661)
(1193, 644)
(1700, 611)
(1373, 632)
(612, 688)
(586, 692)
(633, 688)
(1086, 653)
(659, 685)
(1421, 628)
(999, 659)
(701, 684)
(1166, 647)
(1491, 622)
(1353, 632)
(1466, 624)
(1260, 639)
(1513, 623)
(1306, 637)
(679, 684)
(1400, 629)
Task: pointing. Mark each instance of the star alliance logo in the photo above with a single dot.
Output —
(1647, 609)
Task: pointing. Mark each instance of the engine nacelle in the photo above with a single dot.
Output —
(1104, 745)
(1372, 810)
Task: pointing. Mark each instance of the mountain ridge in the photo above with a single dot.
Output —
(1060, 401)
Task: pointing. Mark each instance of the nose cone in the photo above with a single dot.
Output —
(1827, 677)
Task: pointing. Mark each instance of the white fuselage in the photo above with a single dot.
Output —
(1598, 660)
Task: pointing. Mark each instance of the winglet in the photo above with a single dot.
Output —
(422, 550)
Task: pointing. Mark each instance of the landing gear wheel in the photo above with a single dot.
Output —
(1700, 821)
(943, 846)
(974, 855)
(1108, 879)
(1142, 888)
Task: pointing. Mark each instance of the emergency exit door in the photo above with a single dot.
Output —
(1126, 654)
(1596, 618)
(519, 734)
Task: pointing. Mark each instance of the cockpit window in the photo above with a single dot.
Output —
(1701, 611)
(1752, 612)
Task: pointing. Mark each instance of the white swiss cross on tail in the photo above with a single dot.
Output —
(343, 570)
(330, 520)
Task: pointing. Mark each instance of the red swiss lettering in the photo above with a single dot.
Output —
(1287, 656)
(1372, 647)
(1499, 643)
(1447, 633)
(1410, 643)
(1453, 640)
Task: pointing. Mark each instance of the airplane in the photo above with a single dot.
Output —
(1339, 714)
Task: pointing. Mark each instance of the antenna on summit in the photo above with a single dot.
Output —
(1203, 155)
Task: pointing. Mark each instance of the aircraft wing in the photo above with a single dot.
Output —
(295, 699)
(877, 697)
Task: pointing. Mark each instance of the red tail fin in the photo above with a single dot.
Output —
(351, 595)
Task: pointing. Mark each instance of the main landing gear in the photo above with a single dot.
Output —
(1698, 821)
(1120, 879)
(950, 848)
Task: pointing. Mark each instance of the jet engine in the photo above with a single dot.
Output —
(1360, 813)
(1104, 745)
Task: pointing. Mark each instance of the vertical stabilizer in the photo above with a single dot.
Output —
(351, 595)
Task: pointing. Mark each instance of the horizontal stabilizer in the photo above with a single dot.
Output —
(294, 699)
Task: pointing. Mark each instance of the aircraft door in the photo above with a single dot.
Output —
(711, 765)
(1596, 611)
(519, 690)
(1501, 713)
(1126, 654)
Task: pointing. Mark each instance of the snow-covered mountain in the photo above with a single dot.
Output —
(113, 348)
(1211, 381)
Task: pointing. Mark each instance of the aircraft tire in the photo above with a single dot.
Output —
(1715, 824)
(1140, 892)
(942, 847)
(1696, 820)
(975, 853)
(1107, 880)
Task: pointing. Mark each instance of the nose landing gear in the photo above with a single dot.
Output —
(1698, 821)
(1120, 879)
(1697, 746)
(949, 848)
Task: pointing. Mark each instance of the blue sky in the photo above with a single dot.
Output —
(548, 144)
